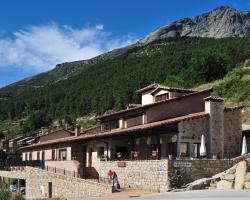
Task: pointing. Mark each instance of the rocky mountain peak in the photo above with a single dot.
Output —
(221, 22)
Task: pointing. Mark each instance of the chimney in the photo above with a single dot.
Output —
(77, 130)
(215, 107)
(43, 131)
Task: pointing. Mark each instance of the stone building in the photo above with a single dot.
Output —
(169, 121)
(168, 124)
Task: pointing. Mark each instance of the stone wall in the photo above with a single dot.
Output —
(148, 174)
(62, 186)
(192, 170)
(216, 126)
(232, 132)
(190, 131)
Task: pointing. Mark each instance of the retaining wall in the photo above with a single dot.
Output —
(37, 181)
(148, 174)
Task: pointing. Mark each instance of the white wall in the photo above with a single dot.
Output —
(147, 98)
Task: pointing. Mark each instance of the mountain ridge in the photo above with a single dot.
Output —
(186, 27)
(221, 22)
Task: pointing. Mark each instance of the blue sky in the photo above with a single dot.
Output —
(37, 34)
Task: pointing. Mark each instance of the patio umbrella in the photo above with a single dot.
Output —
(203, 151)
(244, 146)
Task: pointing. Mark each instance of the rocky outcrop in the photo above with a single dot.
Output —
(219, 23)
(240, 173)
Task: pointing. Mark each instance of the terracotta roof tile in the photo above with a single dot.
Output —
(228, 109)
(153, 104)
(156, 86)
(133, 105)
(212, 98)
(173, 89)
(122, 131)
(56, 131)
(148, 87)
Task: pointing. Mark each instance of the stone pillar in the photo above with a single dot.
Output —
(215, 141)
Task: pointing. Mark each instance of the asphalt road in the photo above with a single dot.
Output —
(196, 195)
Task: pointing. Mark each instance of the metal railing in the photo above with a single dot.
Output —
(62, 171)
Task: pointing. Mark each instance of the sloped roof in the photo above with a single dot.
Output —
(228, 109)
(56, 131)
(155, 103)
(121, 131)
(213, 98)
(172, 89)
(156, 86)
(149, 87)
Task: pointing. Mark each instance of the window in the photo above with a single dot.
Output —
(38, 155)
(62, 154)
(111, 125)
(133, 121)
(53, 154)
(100, 152)
(184, 149)
(196, 150)
(161, 97)
(26, 156)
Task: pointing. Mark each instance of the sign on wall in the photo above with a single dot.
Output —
(182, 164)
(163, 168)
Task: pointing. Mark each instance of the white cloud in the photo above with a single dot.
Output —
(40, 48)
(99, 26)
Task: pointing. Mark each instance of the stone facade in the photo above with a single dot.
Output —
(216, 127)
(151, 175)
(233, 129)
(190, 131)
(156, 175)
(37, 181)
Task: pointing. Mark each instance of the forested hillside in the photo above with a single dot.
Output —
(110, 84)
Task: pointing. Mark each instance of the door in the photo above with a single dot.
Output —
(50, 189)
(90, 156)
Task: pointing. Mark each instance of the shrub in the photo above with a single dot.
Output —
(5, 194)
